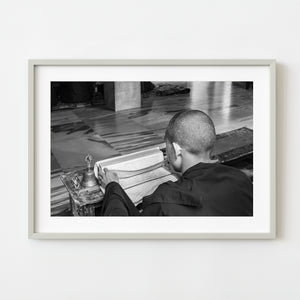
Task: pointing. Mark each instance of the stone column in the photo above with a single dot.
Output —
(122, 95)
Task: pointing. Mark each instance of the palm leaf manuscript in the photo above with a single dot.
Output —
(139, 173)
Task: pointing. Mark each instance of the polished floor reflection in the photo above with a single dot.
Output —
(104, 133)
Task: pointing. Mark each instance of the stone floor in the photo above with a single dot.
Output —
(104, 133)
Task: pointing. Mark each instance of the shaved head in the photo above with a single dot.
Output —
(192, 130)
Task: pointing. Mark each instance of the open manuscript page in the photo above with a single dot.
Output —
(139, 173)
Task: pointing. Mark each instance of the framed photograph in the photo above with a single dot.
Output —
(151, 149)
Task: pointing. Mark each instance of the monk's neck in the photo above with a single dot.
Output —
(192, 160)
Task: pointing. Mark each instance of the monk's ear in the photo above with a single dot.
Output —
(177, 149)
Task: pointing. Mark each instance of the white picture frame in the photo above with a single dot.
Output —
(39, 71)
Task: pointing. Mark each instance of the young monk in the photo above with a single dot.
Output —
(205, 188)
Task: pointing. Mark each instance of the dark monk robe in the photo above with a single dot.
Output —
(206, 189)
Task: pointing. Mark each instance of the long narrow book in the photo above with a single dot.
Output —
(139, 173)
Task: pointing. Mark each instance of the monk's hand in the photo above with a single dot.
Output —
(105, 176)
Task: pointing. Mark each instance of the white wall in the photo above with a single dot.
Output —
(32, 269)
